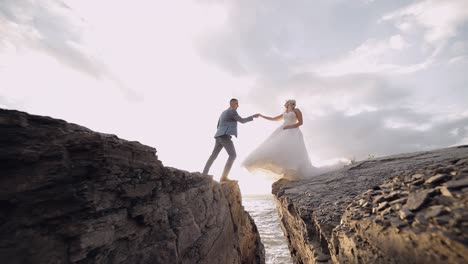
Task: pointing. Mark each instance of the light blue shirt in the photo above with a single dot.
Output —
(227, 123)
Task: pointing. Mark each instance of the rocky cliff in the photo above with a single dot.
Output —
(407, 208)
(71, 195)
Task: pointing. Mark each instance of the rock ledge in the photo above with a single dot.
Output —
(71, 195)
(407, 208)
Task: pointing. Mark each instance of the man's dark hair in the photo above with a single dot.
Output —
(232, 100)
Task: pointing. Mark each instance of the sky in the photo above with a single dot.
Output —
(371, 77)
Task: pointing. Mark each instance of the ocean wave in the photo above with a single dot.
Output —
(263, 211)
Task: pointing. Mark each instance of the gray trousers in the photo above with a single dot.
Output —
(226, 143)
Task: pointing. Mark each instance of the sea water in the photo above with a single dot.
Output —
(263, 211)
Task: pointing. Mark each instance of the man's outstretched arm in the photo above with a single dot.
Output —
(238, 118)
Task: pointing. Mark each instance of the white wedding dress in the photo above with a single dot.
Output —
(283, 153)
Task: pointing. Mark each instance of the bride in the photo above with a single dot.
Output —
(283, 152)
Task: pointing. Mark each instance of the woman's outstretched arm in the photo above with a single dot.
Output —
(276, 118)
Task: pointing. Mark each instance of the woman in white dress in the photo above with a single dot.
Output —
(284, 152)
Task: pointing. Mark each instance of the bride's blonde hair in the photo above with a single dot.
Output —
(291, 102)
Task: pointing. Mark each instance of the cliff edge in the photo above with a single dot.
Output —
(71, 195)
(407, 208)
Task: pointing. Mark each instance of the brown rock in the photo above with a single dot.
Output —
(379, 198)
(309, 221)
(445, 191)
(434, 211)
(462, 162)
(396, 207)
(71, 195)
(382, 206)
(437, 178)
(443, 220)
(387, 211)
(417, 176)
(420, 219)
(322, 257)
(251, 248)
(387, 185)
(418, 182)
(361, 202)
(457, 184)
(444, 170)
(416, 200)
(397, 223)
(398, 201)
(392, 196)
(405, 213)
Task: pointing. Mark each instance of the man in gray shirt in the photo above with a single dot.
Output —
(227, 127)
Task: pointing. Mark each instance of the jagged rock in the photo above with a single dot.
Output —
(458, 184)
(378, 199)
(381, 206)
(399, 201)
(71, 195)
(445, 191)
(325, 214)
(387, 211)
(397, 223)
(251, 248)
(405, 213)
(417, 176)
(443, 220)
(322, 258)
(462, 162)
(434, 211)
(437, 178)
(416, 200)
(392, 196)
(420, 219)
(444, 170)
(418, 182)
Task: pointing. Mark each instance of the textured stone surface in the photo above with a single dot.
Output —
(251, 248)
(387, 210)
(71, 195)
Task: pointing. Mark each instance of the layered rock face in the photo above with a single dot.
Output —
(407, 208)
(71, 195)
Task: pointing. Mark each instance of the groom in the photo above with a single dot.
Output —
(227, 127)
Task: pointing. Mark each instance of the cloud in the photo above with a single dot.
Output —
(441, 19)
(275, 39)
(349, 94)
(5, 102)
(51, 27)
(372, 77)
(406, 52)
(271, 37)
(339, 135)
(438, 23)
(372, 56)
(48, 26)
(360, 114)
(397, 42)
